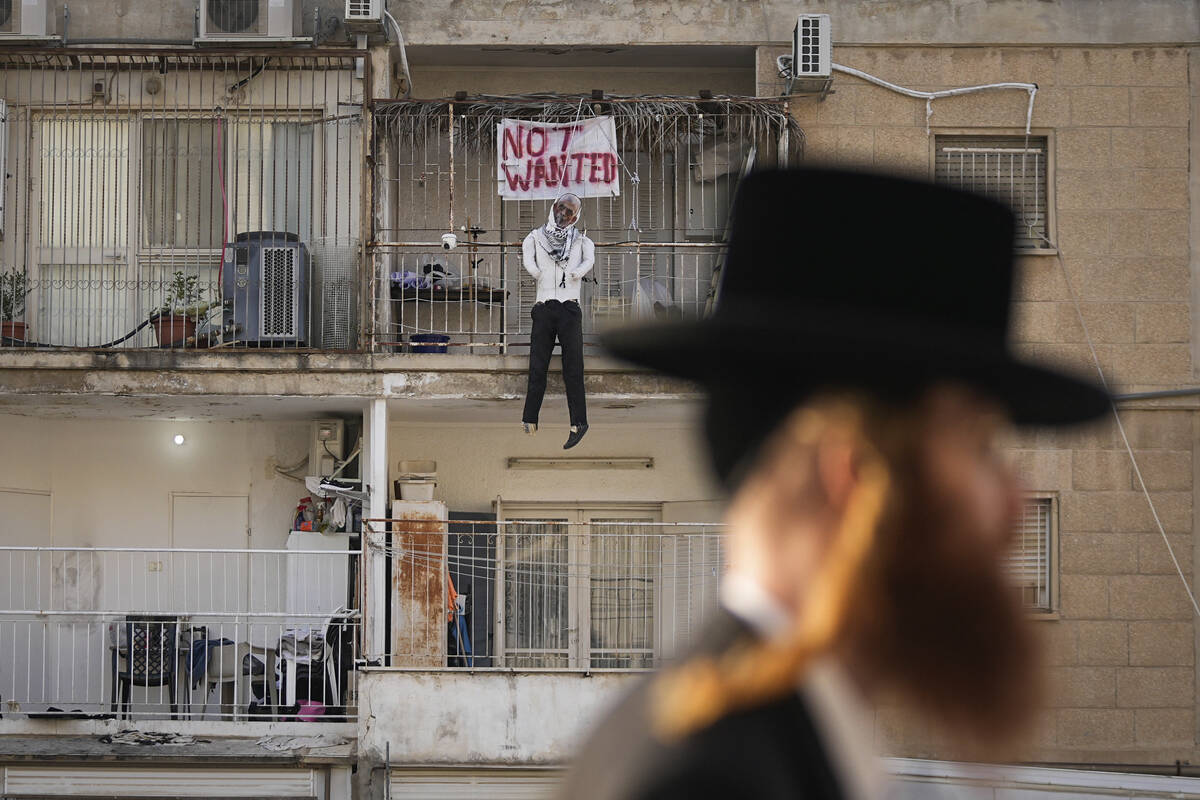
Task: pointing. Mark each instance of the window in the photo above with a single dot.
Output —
(581, 588)
(1032, 563)
(1011, 169)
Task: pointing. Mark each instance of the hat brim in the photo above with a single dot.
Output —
(811, 351)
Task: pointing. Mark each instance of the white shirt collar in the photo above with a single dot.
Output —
(841, 714)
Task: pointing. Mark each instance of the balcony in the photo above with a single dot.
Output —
(241, 636)
(159, 199)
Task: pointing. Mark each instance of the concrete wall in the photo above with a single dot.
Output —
(111, 481)
(472, 463)
(482, 718)
(561, 22)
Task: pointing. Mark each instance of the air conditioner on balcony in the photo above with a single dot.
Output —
(249, 20)
(364, 16)
(812, 47)
(264, 290)
(26, 18)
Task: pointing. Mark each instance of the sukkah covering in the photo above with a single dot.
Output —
(653, 121)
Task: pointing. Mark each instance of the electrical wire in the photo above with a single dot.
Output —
(928, 97)
(408, 84)
(1121, 428)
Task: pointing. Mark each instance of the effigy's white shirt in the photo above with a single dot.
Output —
(558, 280)
(842, 716)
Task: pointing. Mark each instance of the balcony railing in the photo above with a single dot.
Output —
(659, 239)
(159, 199)
(181, 633)
(547, 594)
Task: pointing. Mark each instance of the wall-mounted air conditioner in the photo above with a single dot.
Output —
(264, 290)
(26, 18)
(249, 20)
(812, 47)
(364, 15)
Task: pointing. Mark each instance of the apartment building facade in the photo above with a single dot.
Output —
(225, 231)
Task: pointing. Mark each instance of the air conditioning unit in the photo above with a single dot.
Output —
(249, 20)
(264, 290)
(364, 15)
(26, 18)
(812, 47)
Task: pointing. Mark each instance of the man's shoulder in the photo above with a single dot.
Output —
(768, 751)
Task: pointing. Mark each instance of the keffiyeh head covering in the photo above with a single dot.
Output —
(560, 238)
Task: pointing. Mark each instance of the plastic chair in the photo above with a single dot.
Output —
(151, 658)
(232, 666)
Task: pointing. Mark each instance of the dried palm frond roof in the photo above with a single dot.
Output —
(654, 119)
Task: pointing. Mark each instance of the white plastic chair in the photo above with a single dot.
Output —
(227, 665)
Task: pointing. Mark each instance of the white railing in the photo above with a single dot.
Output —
(606, 594)
(145, 633)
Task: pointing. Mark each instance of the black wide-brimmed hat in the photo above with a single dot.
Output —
(849, 279)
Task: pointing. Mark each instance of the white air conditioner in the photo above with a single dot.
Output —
(26, 18)
(364, 11)
(812, 46)
(249, 20)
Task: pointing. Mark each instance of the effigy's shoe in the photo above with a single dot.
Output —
(577, 432)
(530, 428)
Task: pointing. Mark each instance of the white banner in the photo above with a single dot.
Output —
(541, 160)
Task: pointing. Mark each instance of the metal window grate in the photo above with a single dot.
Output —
(1011, 169)
(1029, 563)
(279, 292)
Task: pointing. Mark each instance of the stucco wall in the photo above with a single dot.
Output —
(482, 718)
(111, 481)
(473, 463)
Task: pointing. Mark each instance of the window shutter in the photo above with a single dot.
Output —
(1029, 563)
(1011, 169)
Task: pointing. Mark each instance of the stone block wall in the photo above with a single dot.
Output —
(1121, 647)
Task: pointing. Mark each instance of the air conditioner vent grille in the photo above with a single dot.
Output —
(810, 45)
(279, 292)
(232, 16)
(359, 8)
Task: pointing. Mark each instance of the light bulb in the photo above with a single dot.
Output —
(178, 439)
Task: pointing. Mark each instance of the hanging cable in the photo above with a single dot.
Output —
(1121, 428)
(408, 84)
(784, 66)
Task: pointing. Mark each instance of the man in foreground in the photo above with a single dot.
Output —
(857, 381)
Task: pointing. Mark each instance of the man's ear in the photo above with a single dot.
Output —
(836, 473)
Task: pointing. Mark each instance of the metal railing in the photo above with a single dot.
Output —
(659, 241)
(173, 199)
(610, 592)
(180, 633)
(549, 594)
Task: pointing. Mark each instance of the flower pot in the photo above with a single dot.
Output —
(13, 330)
(173, 329)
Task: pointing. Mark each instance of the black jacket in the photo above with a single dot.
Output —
(773, 751)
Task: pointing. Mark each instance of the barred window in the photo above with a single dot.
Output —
(1031, 563)
(1011, 169)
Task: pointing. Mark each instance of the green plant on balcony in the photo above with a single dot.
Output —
(14, 288)
(182, 309)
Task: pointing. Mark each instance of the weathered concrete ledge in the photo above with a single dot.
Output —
(309, 374)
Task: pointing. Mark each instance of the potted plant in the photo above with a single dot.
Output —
(14, 288)
(176, 319)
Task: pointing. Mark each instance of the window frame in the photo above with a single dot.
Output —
(1051, 177)
(1053, 556)
(579, 516)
